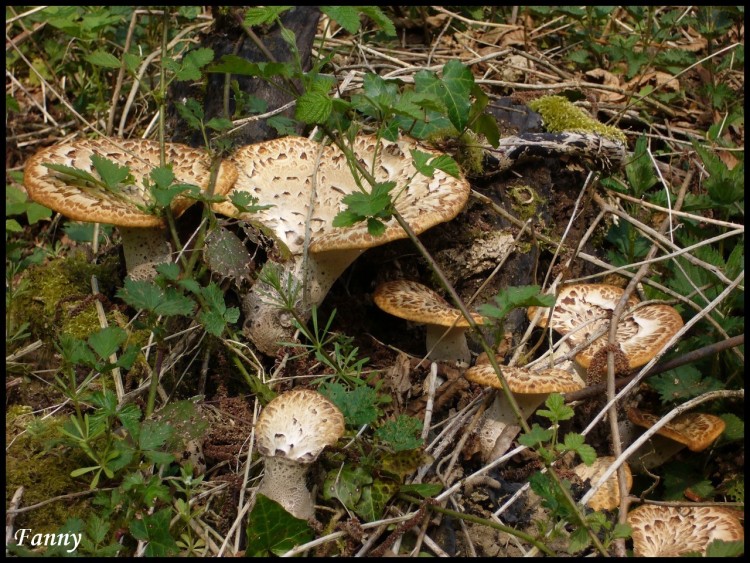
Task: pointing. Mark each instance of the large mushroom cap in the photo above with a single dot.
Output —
(82, 202)
(297, 425)
(661, 531)
(585, 308)
(280, 173)
(522, 380)
(607, 497)
(695, 430)
(418, 303)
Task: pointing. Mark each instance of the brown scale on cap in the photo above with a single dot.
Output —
(418, 303)
(522, 380)
(697, 431)
(668, 531)
(641, 333)
(607, 497)
(88, 203)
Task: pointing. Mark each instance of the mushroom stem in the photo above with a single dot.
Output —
(144, 249)
(655, 452)
(266, 323)
(450, 348)
(284, 482)
(499, 416)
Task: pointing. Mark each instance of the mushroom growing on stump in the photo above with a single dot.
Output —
(284, 173)
(696, 431)
(418, 303)
(530, 389)
(143, 235)
(583, 309)
(608, 495)
(669, 531)
(291, 432)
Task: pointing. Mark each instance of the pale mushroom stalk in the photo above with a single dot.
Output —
(447, 344)
(144, 249)
(530, 389)
(289, 476)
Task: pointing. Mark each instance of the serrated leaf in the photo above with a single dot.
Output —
(162, 176)
(107, 341)
(382, 21)
(264, 15)
(154, 434)
(401, 434)
(111, 173)
(684, 382)
(514, 297)
(346, 16)
(721, 548)
(313, 107)
(154, 529)
(556, 410)
(140, 294)
(174, 303)
(73, 172)
(424, 490)
(271, 530)
(734, 429)
(357, 405)
(536, 435)
(103, 59)
(191, 112)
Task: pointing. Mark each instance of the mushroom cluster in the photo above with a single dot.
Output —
(292, 431)
(304, 184)
(126, 205)
(583, 309)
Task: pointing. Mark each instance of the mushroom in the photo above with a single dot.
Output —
(697, 431)
(446, 327)
(583, 309)
(608, 495)
(669, 531)
(530, 389)
(291, 432)
(143, 236)
(306, 196)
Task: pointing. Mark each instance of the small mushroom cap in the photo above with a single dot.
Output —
(660, 531)
(418, 303)
(695, 430)
(522, 380)
(641, 334)
(297, 425)
(281, 173)
(88, 203)
(608, 495)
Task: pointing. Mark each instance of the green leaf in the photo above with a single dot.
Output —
(140, 294)
(558, 410)
(154, 434)
(111, 173)
(735, 428)
(424, 490)
(219, 124)
(576, 443)
(401, 434)
(73, 173)
(514, 297)
(271, 530)
(640, 170)
(313, 107)
(684, 382)
(357, 405)
(162, 176)
(76, 351)
(457, 84)
(346, 485)
(382, 21)
(154, 529)
(107, 341)
(721, 548)
(536, 435)
(174, 303)
(264, 15)
(370, 507)
(578, 540)
(102, 58)
(192, 112)
(346, 16)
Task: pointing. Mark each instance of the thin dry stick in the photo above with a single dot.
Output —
(121, 74)
(430, 401)
(116, 376)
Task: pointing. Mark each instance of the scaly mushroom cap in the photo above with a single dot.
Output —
(281, 172)
(418, 303)
(695, 430)
(662, 531)
(297, 425)
(641, 334)
(82, 202)
(522, 380)
(608, 495)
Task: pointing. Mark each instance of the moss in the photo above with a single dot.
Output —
(524, 201)
(468, 151)
(57, 288)
(43, 471)
(559, 114)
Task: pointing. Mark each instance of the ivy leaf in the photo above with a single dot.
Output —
(271, 530)
(401, 434)
(346, 485)
(457, 84)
